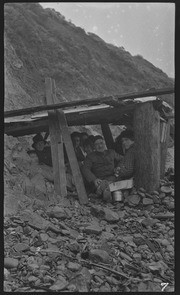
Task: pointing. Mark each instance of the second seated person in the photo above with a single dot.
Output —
(42, 150)
(99, 166)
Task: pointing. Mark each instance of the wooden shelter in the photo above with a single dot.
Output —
(145, 112)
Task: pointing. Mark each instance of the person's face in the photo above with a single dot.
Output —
(84, 137)
(99, 145)
(88, 149)
(126, 143)
(76, 141)
(34, 158)
(40, 146)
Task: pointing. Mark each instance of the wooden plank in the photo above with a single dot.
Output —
(62, 168)
(83, 199)
(98, 117)
(147, 142)
(56, 144)
(107, 99)
(106, 131)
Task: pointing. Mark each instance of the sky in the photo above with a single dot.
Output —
(147, 29)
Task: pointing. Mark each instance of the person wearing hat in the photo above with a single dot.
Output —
(43, 152)
(76, 140)
(126, 168)
(98, 167)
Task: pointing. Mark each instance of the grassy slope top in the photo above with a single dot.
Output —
(40, 43)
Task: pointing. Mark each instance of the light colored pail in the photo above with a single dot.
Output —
(117, 196)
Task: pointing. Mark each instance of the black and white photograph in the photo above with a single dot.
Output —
(89, 120)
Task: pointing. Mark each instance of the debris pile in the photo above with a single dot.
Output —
(99, 247)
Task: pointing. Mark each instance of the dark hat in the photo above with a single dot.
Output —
(37, 138)
(97, 137)
(127, 134)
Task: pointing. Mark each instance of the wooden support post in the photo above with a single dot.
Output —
(147, 142)
(164, 141)
(107, 135)
(56, 143)
(83, 199)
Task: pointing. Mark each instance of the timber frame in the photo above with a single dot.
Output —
(146, 113)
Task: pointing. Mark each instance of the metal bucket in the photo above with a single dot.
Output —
(117, 196)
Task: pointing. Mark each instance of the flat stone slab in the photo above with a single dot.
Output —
(147, 201)
(58, 212)
(100, 255)
(107, 236)
(21, 247)
(134, 200)
(93, 229)
(166, 189)
(73, 266)
(10, 262)
(110, 215)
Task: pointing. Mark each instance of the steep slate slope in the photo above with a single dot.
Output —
(40, 43)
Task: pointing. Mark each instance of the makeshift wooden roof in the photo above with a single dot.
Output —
(112, 109)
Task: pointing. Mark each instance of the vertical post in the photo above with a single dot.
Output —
(56, 143)
(147, 142)
(165, 133)
(106, 131)
(72, 158)
(62, 169)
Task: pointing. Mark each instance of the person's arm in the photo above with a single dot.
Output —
(126, 168)
(86, 170)
(117, 157)
(46, 135)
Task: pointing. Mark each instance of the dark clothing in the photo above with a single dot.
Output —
(128, 163)
(45, 156)
(79, 154)
(100, 165)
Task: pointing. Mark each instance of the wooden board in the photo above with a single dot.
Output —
(107, 99)
(56, 144)
(106, 131)
(72, 159)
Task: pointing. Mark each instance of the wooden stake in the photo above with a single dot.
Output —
(107, 135)
(72, 158)
(56, 144)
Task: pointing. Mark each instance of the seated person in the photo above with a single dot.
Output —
(76, 139)
(98, 168)
(126, 168)
(43, 152)
(118, 146)
(83, 138)
(88, 146)
(91, 137)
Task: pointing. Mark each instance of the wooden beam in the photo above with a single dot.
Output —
(106, 131)
(147, 133)
(56, 144)
(92, 118)
(83, 199)
(107, 99)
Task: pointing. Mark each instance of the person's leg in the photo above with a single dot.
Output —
(104, 190)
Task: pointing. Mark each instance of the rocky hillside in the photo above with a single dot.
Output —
(40, 43)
